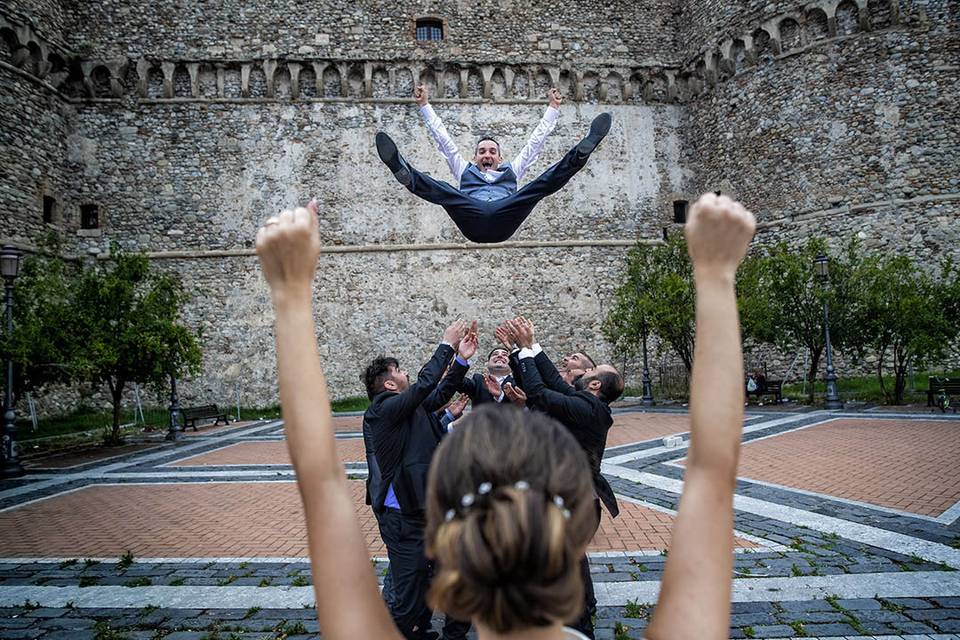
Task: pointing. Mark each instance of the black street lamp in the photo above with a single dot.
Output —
(647, 386)
(174, 430)
(821, 263)
(9, 268)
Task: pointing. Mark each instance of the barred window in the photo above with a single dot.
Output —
(429, 29)
(89, 216)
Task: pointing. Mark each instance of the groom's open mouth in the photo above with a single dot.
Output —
(486, 164)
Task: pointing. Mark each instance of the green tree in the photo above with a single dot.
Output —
(781, 297)
(909, 316)
(128, 316)
(656, 296)
(41, 346)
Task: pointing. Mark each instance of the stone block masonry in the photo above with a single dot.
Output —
(185, 128)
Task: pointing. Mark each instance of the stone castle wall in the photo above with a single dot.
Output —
(827, 118)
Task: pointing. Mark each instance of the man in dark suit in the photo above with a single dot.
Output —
(489, 387)
(403, 426)
(584, 409)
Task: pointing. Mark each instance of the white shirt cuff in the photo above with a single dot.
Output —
(427, 112)
(531, 352)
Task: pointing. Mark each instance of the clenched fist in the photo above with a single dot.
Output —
(718, 232)
(288, 246)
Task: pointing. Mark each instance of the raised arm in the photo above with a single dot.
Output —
(348, 603)
(452, 382)
(528, 154)
(399, 406)
(524, 331)
(445, 144)
(695, 592)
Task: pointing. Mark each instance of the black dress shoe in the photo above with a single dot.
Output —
(387, 150)
(599, 128)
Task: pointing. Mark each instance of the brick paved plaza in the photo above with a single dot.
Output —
(846, 526)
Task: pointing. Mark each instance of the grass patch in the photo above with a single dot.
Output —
(867, 388)
(749, 632)
(103, 631)
(252, 611)
(142, 581)
(300, 581)
(177, 582)
(634, 610)
(353, 403)
(891, 606)
(288, 629)
(854, 622)
(797, 544)
(68, 563)
(85, 419)
(797, 627)
(620, 632)
(89, 581)
(125, 561)
(795, 571)
(264, 582)
(228, 580)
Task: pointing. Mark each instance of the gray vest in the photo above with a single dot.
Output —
(472, 184)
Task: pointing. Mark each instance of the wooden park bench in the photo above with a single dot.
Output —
(949, 387)
(768, 388)
(205, 412)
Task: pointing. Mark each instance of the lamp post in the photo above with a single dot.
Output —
(9, 268)
(647, 386)
(821, 263)
(174, 430)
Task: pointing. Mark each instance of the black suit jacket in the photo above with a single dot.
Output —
(405, 432)
(586, 416)
(476, 389)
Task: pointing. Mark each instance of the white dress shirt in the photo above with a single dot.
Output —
(520, 164)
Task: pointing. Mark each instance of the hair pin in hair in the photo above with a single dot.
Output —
(484, 488)
(450, 515)
(521, 485)
(558, 500)
(467, 500)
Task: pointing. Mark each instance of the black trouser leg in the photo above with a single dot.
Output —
(472, 216)
(455, 629)
(550, 181)
(410, 572)
(387, 591)
(584, 624)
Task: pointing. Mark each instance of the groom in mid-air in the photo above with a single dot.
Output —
(488, 206)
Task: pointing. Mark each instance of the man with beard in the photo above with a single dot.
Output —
(575, 365)
(402, 424)
(487, 205)
(584, 409)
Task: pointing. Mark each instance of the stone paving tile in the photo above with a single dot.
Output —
(85, 457)
(908, 466)
(273, 453)
(209, 430)
(636, 427)
(217, 519)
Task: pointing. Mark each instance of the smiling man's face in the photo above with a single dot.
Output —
(487, 157)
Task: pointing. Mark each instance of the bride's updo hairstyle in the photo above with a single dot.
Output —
(510, 511)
